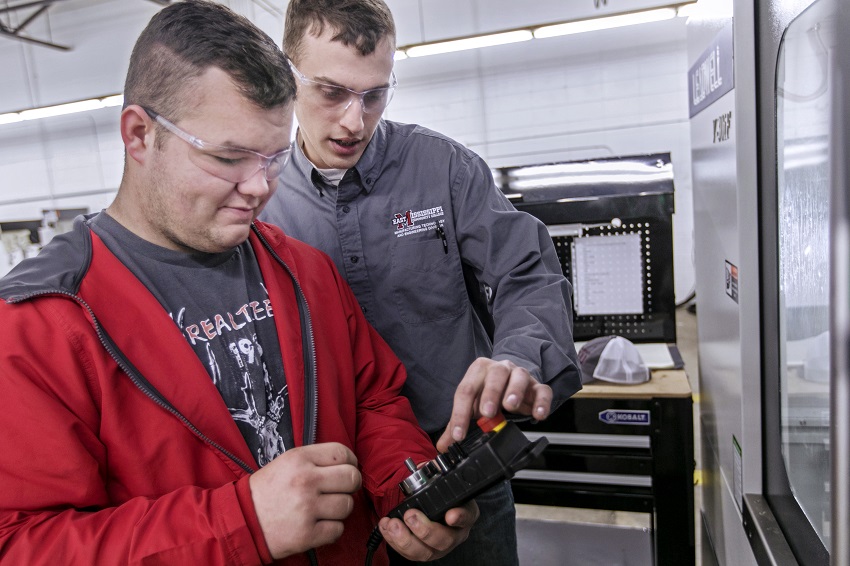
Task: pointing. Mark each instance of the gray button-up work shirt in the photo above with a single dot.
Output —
(437, 258)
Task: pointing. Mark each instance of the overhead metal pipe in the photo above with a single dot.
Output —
(15, 33)
(46, 3)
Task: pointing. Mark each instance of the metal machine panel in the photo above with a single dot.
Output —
(766, 493)
(725, 234)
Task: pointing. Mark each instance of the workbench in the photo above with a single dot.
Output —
(624, 448)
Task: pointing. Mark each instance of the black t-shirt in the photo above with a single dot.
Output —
(221, 306)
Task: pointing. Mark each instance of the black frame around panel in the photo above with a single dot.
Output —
(644, 208)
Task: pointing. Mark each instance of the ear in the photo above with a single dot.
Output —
(137, 132)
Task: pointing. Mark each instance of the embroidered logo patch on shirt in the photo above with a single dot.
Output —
(413, 222)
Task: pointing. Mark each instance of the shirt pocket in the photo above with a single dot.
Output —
(427, 282)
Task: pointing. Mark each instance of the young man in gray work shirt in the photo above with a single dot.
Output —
(429, 245)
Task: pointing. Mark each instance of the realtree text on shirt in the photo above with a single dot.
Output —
(221, 306)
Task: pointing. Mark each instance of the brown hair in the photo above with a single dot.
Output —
(361, 23)
(184, 39)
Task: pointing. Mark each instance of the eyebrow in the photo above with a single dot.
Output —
(233, 146)
(330, 81)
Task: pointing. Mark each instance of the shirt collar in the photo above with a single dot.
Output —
(368, 166)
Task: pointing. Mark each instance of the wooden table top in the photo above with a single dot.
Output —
(663, 383)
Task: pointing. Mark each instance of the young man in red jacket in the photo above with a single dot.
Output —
(182, 384)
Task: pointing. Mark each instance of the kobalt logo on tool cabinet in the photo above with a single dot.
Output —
(413, 222)
(624, 417)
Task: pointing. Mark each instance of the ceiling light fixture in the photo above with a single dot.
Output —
(62, 109)
(418, 50)
(686, 11)
(472, 42)
(608, 22)
(542, 31)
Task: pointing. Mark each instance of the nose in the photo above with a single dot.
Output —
(256, 185)
(352, 115)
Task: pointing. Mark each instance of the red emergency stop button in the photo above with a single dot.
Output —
(488, 424)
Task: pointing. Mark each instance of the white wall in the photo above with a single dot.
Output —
(76, 161)
(607, 93)
(565, 99)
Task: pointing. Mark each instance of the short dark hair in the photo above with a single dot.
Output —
(184, 39)
(361, 23)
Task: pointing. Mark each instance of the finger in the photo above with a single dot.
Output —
(465, 399)
(399, 536)
(495, 382)
(520, 384)
(541, 406)
(326, 532)
(537, 401)
(463, 517)
(432, 534)
(343, 478)
(445, 440)
(334, 506)
(328, 454)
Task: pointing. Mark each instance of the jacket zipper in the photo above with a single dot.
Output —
(138, 380)
(308, 348)
(311, 397)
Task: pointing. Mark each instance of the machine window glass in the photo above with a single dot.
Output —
(803, 101)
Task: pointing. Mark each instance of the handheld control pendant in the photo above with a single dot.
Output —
(464, 472)
(460, 474)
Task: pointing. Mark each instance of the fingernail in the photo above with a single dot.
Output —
(513, 401)
(540, 411)
(489, 409)
(457, 433)
(411, 521)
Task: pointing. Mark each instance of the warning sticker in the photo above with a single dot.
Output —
(732, 281)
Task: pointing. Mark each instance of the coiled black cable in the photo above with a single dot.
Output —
(372, 544)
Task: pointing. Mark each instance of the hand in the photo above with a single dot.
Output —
(420, 539)
(303, 496)
(489, 386)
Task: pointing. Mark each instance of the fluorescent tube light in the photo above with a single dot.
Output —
(686, 11)
(418, 50)
(589, 179)
(62, 109)
(544, 31)
(469, 43)
(608, 22)
(582, 169)
(10, 118)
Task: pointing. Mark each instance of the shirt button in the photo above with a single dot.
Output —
(368, 180)
(346, 209)
(354, 259)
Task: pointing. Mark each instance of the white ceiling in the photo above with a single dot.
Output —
(101, 34)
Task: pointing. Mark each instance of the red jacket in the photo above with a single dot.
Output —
(115, 445)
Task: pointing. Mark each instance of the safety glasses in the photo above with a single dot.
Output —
(229, 163)
(336, 98)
